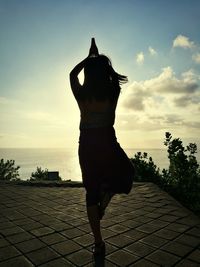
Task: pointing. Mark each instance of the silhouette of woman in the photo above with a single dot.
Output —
(106, 169)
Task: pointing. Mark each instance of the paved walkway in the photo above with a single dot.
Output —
(48, 227)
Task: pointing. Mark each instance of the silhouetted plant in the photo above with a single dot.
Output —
(8, 170)
(39, 175)
(42, 175)
(146, 170)
(182, 179)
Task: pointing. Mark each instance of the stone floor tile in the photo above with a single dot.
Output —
(147, 228)
(131, 223)
(3, 219)
(6, 224)
(4, 243)
(107, 223)
(167, 234)
(84, 240)
(119, 219)
(163, 258)
(66, 247)
(76, 223)
(53, 238)
(42, 231)
(194, 232)
(188, 240)
(23, 221)
(19, 237)
(30, 245)
(11, 231)
(14, 215)
(187, 263)
(135, 234)
(195, 256)
(60, 262)
(60, 226)
(119, 241)
(8, 252)
(122, 258)
(42, 255)
(106, 264)
(177, 248)
(140, 249)
(177, 227)
(110, 248)
(143, 219)
(80, 257)
(85, 227)
(72, 233)
(168, 218)
(153, 215)
(158, 223)
(107, 233)
(20, 261)
(190, 220)
(118, 228)
(31, 226)
(144, 263)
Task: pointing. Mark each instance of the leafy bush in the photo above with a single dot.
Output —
(182, 179)
(145, 168)
(8, 170)
(41, 175)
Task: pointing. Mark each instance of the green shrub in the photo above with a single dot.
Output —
(8, 170)
(182, 179)
(41, 175)
(145, 168)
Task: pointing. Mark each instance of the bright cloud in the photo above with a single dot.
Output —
(196, 58)
(152, 51)
(162, 88)
(182, 41)
(140, 58)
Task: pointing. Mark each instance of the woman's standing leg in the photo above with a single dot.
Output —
(94, 220)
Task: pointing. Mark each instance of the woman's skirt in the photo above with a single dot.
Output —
(103, 162)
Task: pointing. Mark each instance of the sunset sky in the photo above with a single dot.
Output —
(155, 43)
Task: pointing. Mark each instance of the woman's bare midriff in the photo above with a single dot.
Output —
(88, 107)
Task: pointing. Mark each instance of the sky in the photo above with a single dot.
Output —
(155, 43)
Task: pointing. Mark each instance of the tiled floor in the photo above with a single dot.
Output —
(48, 227)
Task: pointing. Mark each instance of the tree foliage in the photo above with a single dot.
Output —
(8, 170)
(145, 168)
(182, 179)
(41, 175)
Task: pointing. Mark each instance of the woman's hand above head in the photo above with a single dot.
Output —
(93, 52)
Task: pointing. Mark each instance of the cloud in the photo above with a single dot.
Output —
(135, 99)
(183, 41)
(140, 58)
(152, 51)
(186, 100)
(165, 87)
(196, 58)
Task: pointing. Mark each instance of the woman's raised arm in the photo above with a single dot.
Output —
(74, 81)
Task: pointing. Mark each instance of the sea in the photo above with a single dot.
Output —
(65, 160)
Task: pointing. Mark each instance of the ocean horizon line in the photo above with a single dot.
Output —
(75, 147)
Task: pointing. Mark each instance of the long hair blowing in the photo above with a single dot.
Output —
(101, 81)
